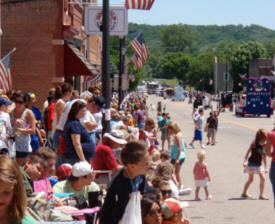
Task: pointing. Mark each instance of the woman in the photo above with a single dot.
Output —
(13, 199)
(62, 94)
(271, 153)
(150, 210)
(79, 146)
(23, 125)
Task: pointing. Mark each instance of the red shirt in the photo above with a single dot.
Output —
(50, 115)
(104, 159)
(271, 137)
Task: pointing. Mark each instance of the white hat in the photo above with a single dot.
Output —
(81, 169)
(172, 206)
(116, 136)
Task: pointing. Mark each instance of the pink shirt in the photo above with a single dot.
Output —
(200, 171)
(271, 137)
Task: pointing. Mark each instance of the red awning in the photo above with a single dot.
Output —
(75, 64)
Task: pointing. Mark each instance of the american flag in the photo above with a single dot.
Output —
(139, 4)
(137, 61)
(244, 76)
(5, 73)
(140, 48)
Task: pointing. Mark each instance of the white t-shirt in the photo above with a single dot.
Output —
(5, 126)
(118, 125)
(88, 117)
(98, 117)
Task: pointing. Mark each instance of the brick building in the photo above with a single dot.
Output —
(260, 67)
(51, 44)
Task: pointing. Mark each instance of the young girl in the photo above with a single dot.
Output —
(149, 134)
(13, 198)
(201, 176)
(254, 164)
(177, 149)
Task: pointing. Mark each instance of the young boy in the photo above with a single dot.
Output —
(32, 171)
(172, 212)
(135, 158)
(198, 121)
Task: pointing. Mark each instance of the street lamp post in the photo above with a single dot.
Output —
(106, 93)
(121, 70)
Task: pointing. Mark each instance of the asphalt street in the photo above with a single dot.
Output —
(225, 162)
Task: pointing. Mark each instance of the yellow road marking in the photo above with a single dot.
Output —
(240, 124)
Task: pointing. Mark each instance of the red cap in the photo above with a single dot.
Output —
(171, 206)
(64, 171)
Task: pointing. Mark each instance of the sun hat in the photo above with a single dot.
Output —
(171, 206)
(5, 102)
(81, 169)
(116, 136)
(64, 171)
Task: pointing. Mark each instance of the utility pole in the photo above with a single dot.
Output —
(105, 67)
(216, 74)
(226, 76)
(121, 70)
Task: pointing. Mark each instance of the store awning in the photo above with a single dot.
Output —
(75, 64)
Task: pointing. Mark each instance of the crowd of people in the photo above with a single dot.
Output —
(58, 158)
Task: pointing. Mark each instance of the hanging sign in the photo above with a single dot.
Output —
(118, 20)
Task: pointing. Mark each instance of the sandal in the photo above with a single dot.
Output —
(263, 198)
(247, 196)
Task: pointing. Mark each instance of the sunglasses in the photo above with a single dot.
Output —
(164, 192)
(19, 102)
(3, 153)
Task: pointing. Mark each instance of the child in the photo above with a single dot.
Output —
(155, 156)
(149, 134)
(172, 211)
(135, 158)
(163, 128)
(254, 165)
(201, 176)
(177, 150)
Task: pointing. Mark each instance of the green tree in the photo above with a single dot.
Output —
(179, 38)
(240, 61)
(201, 72)
(138, 76)
(175, 65)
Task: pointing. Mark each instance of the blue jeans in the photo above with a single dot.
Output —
(56, 139)
(272, 178)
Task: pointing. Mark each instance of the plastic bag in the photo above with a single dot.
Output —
(132, 214)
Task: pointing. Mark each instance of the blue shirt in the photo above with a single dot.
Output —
(88, 147)
(174, 150)
(162, 123)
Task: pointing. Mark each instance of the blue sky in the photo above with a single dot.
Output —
(206, 12)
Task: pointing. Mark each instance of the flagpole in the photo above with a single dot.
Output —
(106, 92)
(12, 51)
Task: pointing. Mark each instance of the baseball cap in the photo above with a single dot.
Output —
(171, 206)
(64, 171)
(81, 169)
(99, 101)
(5, 102)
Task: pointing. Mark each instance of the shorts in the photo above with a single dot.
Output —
(163, 136)
(211, 133)
(253, 169)
(22, 154)
(181, 161)
(198, 135)
(201, 183)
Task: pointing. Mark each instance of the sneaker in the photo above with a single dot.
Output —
(185, 191)
(203, 146)
(209, 197)
(191, 145)
(263, 198)
(197, 199)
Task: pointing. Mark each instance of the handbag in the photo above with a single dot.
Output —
(206, 127)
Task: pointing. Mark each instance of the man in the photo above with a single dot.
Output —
(32, 170)
(80, 182)
(198, 121)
